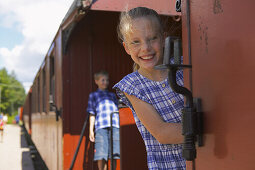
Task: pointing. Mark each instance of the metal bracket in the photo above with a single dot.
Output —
(178, 5)
(192, 117)
(58, 111)
(200, 124)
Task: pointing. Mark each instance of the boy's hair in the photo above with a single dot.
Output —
(126, 18)
(100, 73)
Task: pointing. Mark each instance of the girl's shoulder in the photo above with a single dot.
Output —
(132, 79)
(132, 84)
(132, 76)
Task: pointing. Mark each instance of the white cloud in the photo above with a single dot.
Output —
(38, 21)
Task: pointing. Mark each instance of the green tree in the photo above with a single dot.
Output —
(12, 93)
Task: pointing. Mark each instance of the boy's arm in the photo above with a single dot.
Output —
(115, 99)
(90, 109)
(91, 127)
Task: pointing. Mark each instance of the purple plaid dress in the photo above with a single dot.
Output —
(168, 104)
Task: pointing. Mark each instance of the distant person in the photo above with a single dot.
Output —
(17, 119)
(2, 129)
(5, 118)
(101, 104)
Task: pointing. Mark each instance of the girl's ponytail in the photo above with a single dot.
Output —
(135, 67)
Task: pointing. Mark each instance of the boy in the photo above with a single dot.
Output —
(101, 104)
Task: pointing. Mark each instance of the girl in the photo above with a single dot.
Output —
(156, 108)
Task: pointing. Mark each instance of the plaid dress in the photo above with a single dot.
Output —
(168, 104)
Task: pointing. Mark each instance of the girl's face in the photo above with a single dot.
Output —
(143, 42)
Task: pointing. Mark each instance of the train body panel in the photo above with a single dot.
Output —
(133, 149)
(27, 110)
(223, 62)
(164, 7)
(47, 136)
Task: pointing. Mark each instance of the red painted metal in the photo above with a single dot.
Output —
(132, 148)
(20, 113)
(222, 45)
(27, 112)
(164, 7)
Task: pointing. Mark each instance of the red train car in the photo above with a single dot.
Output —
(217, 38)
(222, 57)
(86, 42)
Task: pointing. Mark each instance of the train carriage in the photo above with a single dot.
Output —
(86, 42)
(217, 39)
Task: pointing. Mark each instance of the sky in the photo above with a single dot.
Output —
(27, 29)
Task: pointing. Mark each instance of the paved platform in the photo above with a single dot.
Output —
(14, 151)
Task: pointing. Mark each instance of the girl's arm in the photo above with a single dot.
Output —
(165, 133)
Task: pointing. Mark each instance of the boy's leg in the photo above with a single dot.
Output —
(102, 164)
(101, 149)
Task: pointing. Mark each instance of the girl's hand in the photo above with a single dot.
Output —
(164, 132)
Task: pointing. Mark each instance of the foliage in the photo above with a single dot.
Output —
(12, 93)
(11, 119)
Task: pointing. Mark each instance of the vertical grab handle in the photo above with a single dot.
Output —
(111, 140)
(191, 119)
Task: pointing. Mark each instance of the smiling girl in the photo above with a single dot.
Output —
(156, 108)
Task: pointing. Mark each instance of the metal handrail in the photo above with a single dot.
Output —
(111, 140)
(80, 140)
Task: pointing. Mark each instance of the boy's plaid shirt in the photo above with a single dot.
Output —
(102, 104)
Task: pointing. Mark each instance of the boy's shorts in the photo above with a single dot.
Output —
(102, 144)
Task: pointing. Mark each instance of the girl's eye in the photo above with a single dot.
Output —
(154, 38)
(135, 42)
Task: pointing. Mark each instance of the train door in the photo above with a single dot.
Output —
(223, 62)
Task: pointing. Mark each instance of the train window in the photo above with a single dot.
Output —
(52, 79)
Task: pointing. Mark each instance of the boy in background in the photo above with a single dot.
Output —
(101, 104)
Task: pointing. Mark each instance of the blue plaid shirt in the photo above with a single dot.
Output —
(168, 104)
(102, 104)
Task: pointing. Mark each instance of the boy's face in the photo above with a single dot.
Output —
(102, 82)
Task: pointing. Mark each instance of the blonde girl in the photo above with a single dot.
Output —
(156, 108)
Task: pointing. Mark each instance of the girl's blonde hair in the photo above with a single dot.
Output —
(126, 18)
